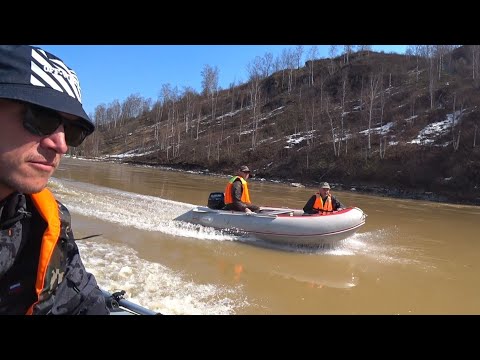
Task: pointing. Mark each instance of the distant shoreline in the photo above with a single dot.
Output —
(375, 190)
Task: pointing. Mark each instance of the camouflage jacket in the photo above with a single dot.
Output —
(40, 267)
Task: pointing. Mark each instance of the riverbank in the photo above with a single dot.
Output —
(368, 189)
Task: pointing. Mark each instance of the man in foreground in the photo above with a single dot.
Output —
(41, 114)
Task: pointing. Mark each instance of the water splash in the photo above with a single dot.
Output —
(154, 286)
(132, 210)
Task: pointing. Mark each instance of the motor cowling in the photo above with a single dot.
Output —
(216, 200)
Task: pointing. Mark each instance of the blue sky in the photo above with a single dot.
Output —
(113, 72)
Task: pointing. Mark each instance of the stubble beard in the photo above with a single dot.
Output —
(21, 181)
(23, 186)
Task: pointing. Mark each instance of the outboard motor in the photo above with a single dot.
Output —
(216, 200)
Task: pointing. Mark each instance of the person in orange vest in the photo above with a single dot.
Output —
(237, 196)
(41, 115)
(322, 202)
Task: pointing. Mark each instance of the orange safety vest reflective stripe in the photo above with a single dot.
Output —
(319, 205)
(228, 190)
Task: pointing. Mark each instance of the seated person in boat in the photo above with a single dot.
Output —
(322, 202)
(237, 197)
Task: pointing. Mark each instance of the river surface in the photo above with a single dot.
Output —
(411, 257)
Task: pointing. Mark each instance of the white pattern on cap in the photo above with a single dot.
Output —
(55, 74)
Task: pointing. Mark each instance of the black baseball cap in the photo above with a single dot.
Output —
(33, 75)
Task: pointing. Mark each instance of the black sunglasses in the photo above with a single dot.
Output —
(43, 122)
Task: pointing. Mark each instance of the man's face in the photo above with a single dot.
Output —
(324, 192)
(26, 160)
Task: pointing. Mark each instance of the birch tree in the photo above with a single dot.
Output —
(372, 94)
(210, 89)
(312, 55)
(431, 85)
(332, 53)
(366, 48)
(332, 126)
(414, 50)
(210, 84)
(132, 106)
(383, 98)
(455, 136)
(254, 72)
(267, 64)
(188, 97)
(343, 136)
(298, 55)
(475, 61)
(347, 50)
(100, 115)
(277, 64)
(475, 135)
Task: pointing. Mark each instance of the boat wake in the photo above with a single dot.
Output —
(381, 246)
(154, 286)
(118, 266)
(143, 212)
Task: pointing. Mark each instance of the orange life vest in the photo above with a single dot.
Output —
(48, 208)
(228, 190)
(319, 205)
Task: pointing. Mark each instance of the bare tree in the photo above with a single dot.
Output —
(440, 52)
(311, 140)
(209, 80)
(475, 61)
(343, 110)
(157, 116)
(114, 113)
(298, 55)
(288, 62)
(415, 50)
(455, 137)
(431, 75)
(267, 64)
(475, 135)
(132, 106)
(312, 55)
(383, 99)
(210, 85)
(163, 99)
(332, 127)
(426, 52)
(323, 78)
(198, 122)
(347, 50)
(277, 64)
(100, 115)
(366, 48)
(372, 94)
(188, 97)
(210, 88)
(254, 72)
(172, 122)
(285, 60)
(332, 52)
(361, 100)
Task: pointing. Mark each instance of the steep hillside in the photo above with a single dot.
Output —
(401, 125)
